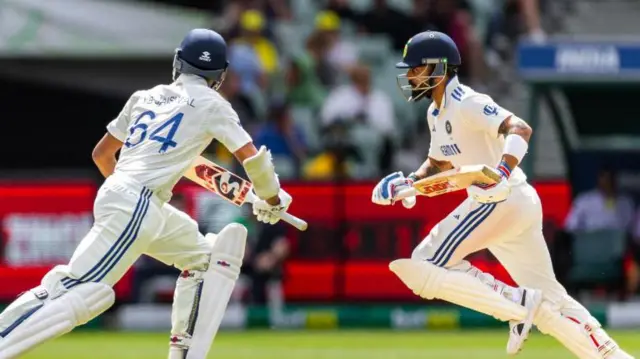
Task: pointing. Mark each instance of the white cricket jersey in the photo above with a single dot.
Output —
(464, 130)
(165, 128)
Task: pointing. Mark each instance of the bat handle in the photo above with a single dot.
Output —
(409, 192)
(299, 223)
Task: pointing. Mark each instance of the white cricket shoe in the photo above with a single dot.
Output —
(519, 330)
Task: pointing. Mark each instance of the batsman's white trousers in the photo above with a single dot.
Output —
(129, 221)
(511, 230)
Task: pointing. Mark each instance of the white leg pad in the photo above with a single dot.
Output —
(35, 317)
(584, 337)
(461, 286)
(201, 297)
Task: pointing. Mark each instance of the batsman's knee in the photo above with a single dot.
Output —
(422, 277)
(228, 250)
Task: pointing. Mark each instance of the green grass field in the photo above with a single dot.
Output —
(317, 345)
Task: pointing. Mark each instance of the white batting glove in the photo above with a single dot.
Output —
(493, 193)
(385, 192)
(271, 214)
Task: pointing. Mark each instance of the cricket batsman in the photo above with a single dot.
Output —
(469, 128)
(159, 133)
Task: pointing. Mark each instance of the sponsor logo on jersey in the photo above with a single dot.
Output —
(450, 150)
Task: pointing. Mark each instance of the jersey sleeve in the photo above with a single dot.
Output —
(431, 124)
(118, 126)
(482, 113)
(225, 127)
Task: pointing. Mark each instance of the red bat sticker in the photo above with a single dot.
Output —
(435, 187)
(224, 183)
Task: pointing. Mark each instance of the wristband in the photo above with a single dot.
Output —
(412, 177)
(516, 146)
(504, 169)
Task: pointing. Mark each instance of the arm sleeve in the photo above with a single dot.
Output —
(119, 126)
(225, 127)
(480, 112)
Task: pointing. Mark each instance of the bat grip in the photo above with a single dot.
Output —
(299, 223)
(405, 193)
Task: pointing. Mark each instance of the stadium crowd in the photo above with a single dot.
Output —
(315, 80)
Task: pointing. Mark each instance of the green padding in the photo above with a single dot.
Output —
(401, 317)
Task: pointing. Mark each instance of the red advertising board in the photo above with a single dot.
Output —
(42, 222)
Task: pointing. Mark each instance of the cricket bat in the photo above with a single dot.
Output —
(230, 186)
(451, 180)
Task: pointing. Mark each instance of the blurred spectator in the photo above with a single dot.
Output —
(343, 9)
(511, 20)
(231, 91)
(317, 48)
(252, 27)
(246, 65)
(233, 10)
(454, 18)
(285, 141)
(341, 53)
(339, 160)
(601, 208)
(366, 115)
(382, 19)
(530, 14)
(359, 101)
(264, 266)
(303, 83)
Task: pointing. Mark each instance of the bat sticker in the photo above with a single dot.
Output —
(224, 183)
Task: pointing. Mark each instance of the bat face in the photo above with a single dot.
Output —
(455, 179)
(224, 183)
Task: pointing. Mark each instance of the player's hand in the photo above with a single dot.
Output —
(271, 213)
(385, 192)
(492, 193)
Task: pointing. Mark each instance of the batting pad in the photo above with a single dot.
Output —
(583, 337)
(430, 281)
(50, 318)
(201, 298)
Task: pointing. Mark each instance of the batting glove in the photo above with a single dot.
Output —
(271, 214)
(385, 192)
(493, 193)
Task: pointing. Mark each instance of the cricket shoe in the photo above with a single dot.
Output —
(519, 330)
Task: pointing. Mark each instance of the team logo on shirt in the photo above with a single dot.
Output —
(447, 127)
(490, 110)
